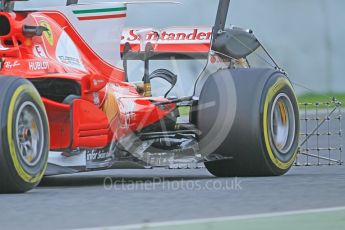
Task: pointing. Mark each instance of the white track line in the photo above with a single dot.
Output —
(219, 219)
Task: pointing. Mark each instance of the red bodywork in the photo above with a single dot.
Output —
(97, 117)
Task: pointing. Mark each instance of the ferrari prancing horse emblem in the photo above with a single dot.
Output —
(49, 33)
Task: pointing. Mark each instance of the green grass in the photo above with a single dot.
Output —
(304, 98)
(320, 98)
(184, 110)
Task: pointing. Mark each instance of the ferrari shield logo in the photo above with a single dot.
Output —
(49, 33)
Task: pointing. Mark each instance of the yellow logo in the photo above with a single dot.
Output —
(48, 34)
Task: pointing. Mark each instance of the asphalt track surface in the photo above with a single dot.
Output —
(142, 196)
(127, 197)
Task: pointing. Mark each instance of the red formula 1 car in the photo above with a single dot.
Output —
(67, 103)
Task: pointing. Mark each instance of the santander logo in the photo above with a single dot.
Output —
(174, 35)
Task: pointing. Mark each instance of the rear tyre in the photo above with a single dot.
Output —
(24, 136)
(263, 139)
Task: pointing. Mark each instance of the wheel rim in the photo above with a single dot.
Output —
(29, 134)
(282, 123)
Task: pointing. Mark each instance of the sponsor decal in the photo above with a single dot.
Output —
(128, 107)
(67, 53)
(38, 51)
(96, 99)
(49, 33)
(98, 155)
(172, 35)
(38, 65)
(97, 81)
(69, 60)
(97, 14)
(10, 65)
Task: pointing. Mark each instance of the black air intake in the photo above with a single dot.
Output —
(5, 27)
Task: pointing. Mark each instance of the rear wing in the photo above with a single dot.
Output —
(178, 43)
(173, 42)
